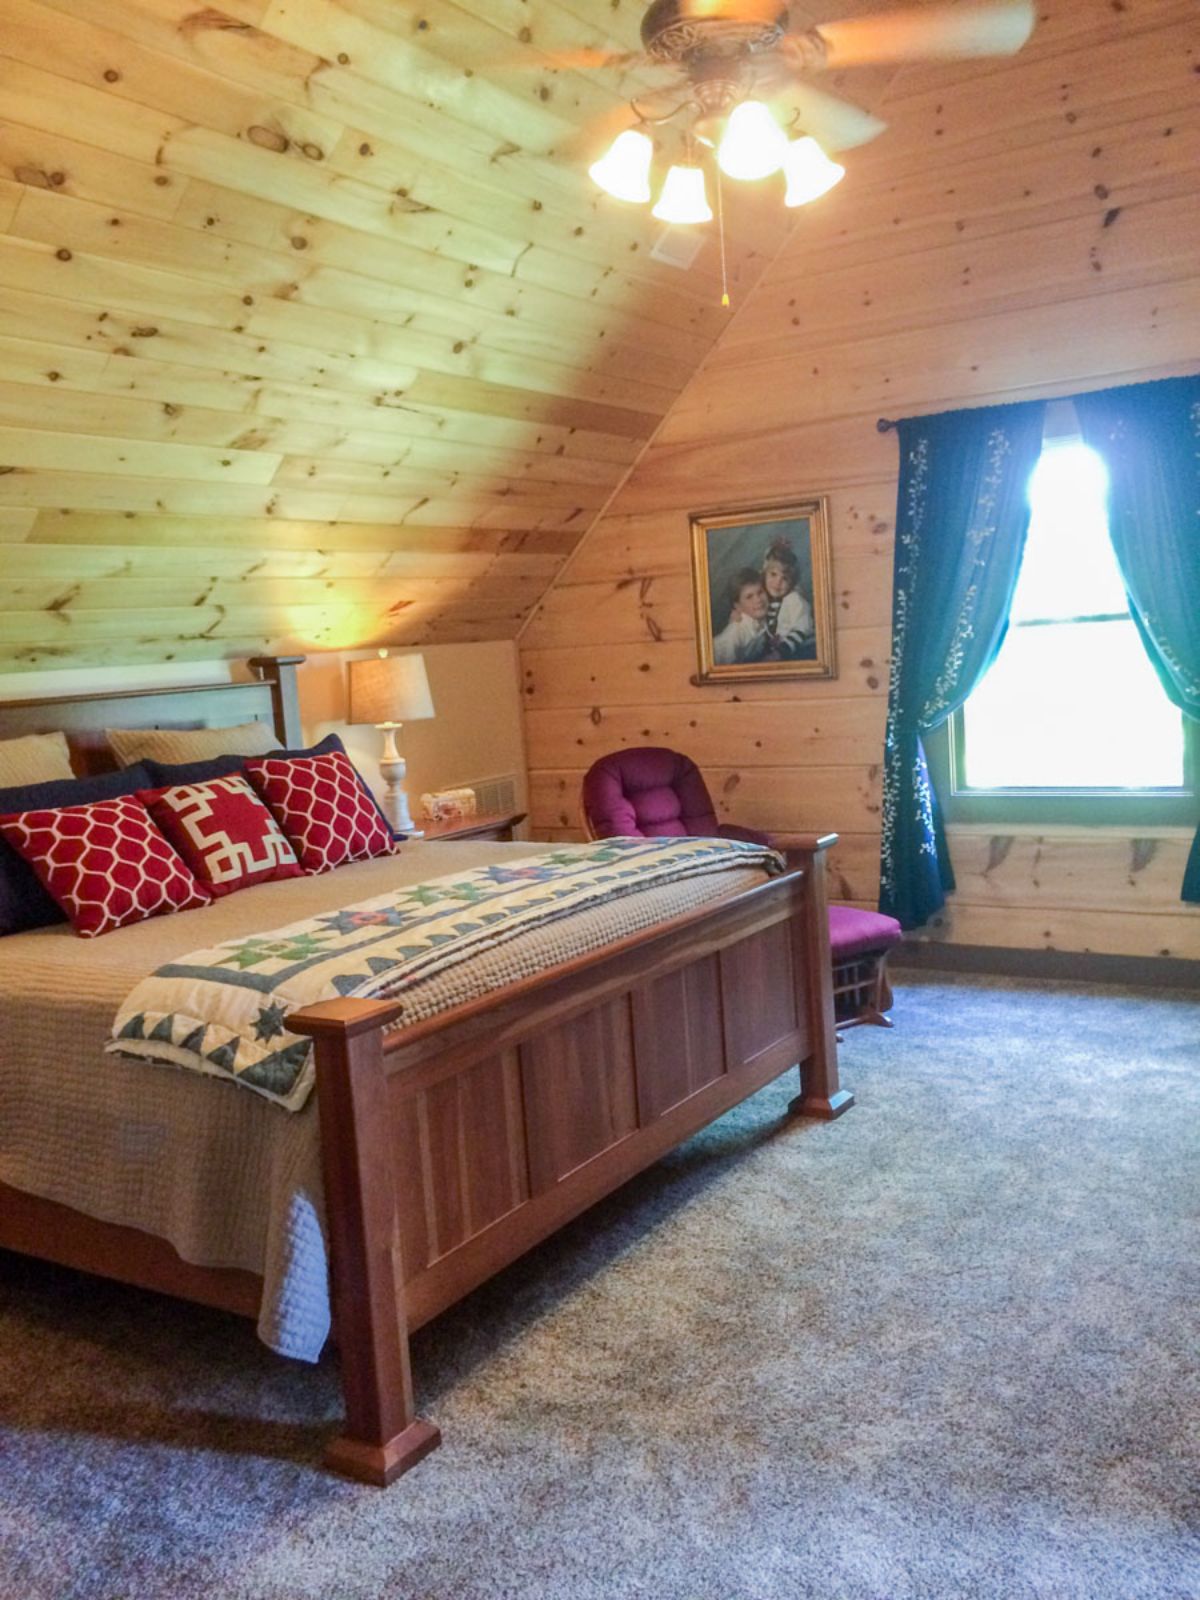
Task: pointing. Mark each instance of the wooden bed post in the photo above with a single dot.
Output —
(280, 673)
(821, 1094)
(383, 1437)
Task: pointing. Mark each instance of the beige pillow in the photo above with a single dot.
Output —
(171, 745)
(38, 758)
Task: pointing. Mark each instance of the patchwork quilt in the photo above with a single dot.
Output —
(223, 1011)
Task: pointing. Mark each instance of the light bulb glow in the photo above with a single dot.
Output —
(754, 144)
(683, 199)
(624, 172)
(809, 172)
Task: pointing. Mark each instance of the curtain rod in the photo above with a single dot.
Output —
(885, 424)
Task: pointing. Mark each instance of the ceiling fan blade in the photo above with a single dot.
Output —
(645, 112)
(589, 142)
(834, 123)
(582, 60)
(931, 33)
(734, 10)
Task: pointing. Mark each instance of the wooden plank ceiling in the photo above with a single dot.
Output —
(313, 330)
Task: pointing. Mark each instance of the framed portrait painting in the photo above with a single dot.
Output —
(763, 586)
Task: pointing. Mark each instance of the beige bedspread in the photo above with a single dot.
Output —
(226, 1177)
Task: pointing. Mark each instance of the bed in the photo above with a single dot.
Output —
(449, 1135)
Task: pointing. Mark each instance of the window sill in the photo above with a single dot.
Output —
(1067, 830)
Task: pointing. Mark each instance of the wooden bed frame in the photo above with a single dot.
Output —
(451, 1147)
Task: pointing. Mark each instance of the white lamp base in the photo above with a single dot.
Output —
(394, 770)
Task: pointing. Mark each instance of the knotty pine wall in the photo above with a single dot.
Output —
(1034, 234)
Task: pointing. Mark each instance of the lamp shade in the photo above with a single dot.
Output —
(754, 143)
(809, 172)
(624, 172)
(387, 689)
(683, 199)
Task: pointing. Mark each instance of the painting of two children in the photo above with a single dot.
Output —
(769, 619)
(760, 590)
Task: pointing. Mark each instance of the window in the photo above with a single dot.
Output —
(1071, 723)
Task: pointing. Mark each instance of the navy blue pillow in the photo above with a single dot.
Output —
(165, 775)
(24, 903)
(327, 746)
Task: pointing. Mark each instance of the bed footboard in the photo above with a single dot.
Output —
(452, 1147)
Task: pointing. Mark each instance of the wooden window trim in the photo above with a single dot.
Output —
(1049, 807)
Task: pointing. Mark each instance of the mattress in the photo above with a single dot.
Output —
(227, 1178)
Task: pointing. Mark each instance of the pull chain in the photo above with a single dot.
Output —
(721, 233)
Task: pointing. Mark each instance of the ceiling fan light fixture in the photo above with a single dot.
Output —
(706, 129)
(809, 172)
(754, 144)
(683, 199)
(624, 171)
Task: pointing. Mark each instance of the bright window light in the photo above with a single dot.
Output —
(1071, 701)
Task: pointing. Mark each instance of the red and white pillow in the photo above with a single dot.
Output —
(226, 835)
(106, 864)
(322, 807)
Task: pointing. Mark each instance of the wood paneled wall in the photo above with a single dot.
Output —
(1028, 228)
(314, 332)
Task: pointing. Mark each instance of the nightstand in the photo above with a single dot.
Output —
(499, 826)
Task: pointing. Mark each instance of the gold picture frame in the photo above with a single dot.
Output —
(784, 627)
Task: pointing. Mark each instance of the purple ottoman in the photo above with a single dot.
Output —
(859, 942)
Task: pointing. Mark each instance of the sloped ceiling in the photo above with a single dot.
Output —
(315, 334)
(313, 331)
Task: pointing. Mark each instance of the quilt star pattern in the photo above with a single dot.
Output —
(223, 1011)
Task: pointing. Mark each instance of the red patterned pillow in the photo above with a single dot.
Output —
(322, 808)
(224, 832)
(106, 863)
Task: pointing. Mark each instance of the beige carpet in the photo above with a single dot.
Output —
(945, 1347)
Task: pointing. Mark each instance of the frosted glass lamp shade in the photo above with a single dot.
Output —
(389, 689)
(624, 172)
(809, 172)
(683, 199)
(754, 144)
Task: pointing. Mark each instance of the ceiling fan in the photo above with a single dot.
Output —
(727, 57)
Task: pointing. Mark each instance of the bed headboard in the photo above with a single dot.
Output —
(270, 696)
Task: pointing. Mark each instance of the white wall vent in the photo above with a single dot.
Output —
(495, 796)
(677, 247)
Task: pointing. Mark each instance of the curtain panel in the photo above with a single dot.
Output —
(1149, 437)
(961, 519)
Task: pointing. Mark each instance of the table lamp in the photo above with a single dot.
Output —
(386, 692)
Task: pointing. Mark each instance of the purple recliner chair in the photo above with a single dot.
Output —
(649, 792)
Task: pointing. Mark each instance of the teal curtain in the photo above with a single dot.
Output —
(961, 519)
(1149, 436)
